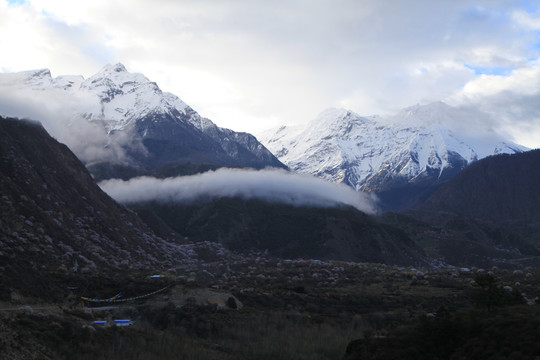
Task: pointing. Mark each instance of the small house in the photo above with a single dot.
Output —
(123, 322)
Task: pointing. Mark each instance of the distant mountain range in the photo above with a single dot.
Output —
(486, 215)
(55, 218)
(144, 131)
(147, 130)
(402, 158)
(53, 211)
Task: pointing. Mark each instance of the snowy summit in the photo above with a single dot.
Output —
(120, 117)
(377, 153)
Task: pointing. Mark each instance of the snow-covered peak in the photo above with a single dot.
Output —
(119, 75)
(116, 68)
(113, 113)
(342, 146)
(113, 96)
(330, 115)
(36, 74)
(437, 113)
(123, 97)
(117, 78)
(509, 148)
(33, 79)
(39, 80)
(335, 123)
(334, 119)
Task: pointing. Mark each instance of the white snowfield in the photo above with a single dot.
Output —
(342, 146)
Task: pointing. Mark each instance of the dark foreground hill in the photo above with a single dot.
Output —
(53, 217)
(288, 231)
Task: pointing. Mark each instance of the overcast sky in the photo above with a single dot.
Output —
(249, 65)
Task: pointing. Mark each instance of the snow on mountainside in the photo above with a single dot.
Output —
(141, 125)
(419, 144)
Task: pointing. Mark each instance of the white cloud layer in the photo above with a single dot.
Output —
(250, 64)
(58, 112)
(270, 185)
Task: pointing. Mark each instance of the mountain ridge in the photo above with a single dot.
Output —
(138, 125)
(499, 188)
(383, 155)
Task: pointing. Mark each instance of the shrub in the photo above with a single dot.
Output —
(489, 294)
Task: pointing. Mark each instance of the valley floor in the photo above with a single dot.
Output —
(250, 307)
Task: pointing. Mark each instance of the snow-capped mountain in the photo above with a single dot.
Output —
(421, 145)
(141, 125)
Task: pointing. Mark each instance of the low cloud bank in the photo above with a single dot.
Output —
(269, 185)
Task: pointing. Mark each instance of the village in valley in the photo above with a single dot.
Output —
(226, 304)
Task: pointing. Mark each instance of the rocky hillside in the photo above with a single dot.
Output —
(53, 217)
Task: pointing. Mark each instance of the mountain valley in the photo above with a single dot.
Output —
(228, 277)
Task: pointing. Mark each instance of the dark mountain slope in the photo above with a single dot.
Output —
(400, 194)
(54, 217)
(164, 145)
(161, 139)
(499, 188)
(289, 231)
(489, 214)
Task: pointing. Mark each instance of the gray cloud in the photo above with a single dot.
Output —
(515, 115)
(269, 185)
(510, 104)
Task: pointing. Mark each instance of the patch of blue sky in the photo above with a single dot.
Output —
(529, 6)
(484, 14)
(532, 47)
(490, 70)
(15, 2)
(535, 46)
